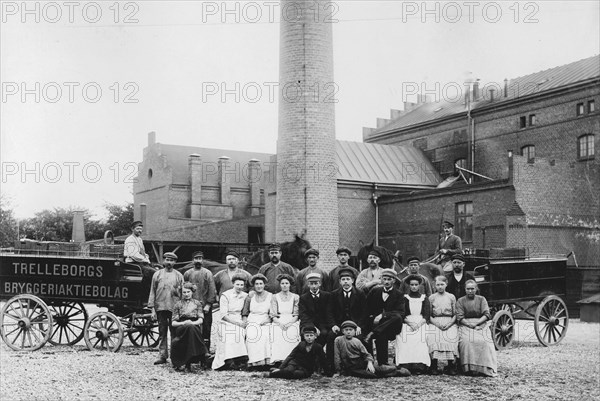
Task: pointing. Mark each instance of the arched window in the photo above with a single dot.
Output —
(585, 147)
(528, 151)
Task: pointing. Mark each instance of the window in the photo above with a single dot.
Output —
(585, 147)
(580, 110)
(531, 119)
(462, 163)
(464, 221)
(523, 122)
(591, 106)
(528, 151)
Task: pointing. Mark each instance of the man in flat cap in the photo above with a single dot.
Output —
(343, 255)
(134, 250)
(458, 277)
(348, 303)
(385, 311)
(413, 268)
(312, 257)
(206, 291)
(371, 277)
(276, 267)
(223, 278)
(314, 311)
(449, 244)
(165, 291)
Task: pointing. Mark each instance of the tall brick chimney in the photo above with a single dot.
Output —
(307, 180)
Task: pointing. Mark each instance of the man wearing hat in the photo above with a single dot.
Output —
(314, 311)
(413, 268)
(312, 257)
(206, 291)
(343, 255)
(223, 278)
(449, 245)
(348, 303)
(385, 311)
(458, 277)
(274, 268)
(165, 291)
(371, 277)
(134, 250)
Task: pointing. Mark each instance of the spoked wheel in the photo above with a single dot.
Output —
(103, 331)
(503, 329)
(143, 331)
(551, 320)
(69, 320)
(25, 323)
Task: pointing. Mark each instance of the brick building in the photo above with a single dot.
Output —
(533, 138)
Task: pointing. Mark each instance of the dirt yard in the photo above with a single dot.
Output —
(527, 371)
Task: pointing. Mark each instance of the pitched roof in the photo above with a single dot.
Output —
(519, 87)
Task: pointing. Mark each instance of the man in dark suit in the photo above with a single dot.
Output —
(458, 278)
(348, 303)
(449, 245)
(314, 311)
(385, 310)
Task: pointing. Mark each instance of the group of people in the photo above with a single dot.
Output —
(294, 323)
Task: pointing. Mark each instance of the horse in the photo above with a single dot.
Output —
(291, 253)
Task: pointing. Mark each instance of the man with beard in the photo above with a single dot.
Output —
(371, 277)
(448, 246)
(165, 291)
(274, 268)
(348, 303)
(223, 278)
(413, 268)
(134, 250)
(312, 257)
(206, 292)
(458, 278)
(343, 255)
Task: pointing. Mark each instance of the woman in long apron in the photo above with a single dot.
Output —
(286, 326)
(231, 333)
(412, 352)
(256, 316)
(442, 333)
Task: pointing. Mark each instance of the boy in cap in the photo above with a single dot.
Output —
(449, 244)
(306, 358)
(312, 257)
(274, 268)
(352, 358)
(165, 291)
(343, 255)
(134, 250)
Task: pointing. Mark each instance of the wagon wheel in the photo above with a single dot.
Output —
(143, 331)
(69, 320)
(551, 320)
(503, 329)
(103, 331)
(25, 323)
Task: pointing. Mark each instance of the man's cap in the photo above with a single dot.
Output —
(349, 323)
(347, 272)
(136, 223)
(389, 273)
(448, 224)
(169, 255)
(375, 252)
(311, 251)
(285, 276)
(411, 277)
(309, 329)
(231, 252)
(343, 249)
(275, 247)
(198, 253)
(258, 276)
(313, 277)
(458, 256)
(413, 259)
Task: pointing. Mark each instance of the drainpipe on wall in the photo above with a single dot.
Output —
(374, 197)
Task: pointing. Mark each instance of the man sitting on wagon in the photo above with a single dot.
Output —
(134, 250)
(450, 244)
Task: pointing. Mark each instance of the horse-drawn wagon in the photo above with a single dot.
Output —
(46, 287)
(520, 287)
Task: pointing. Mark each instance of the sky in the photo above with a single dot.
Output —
(83, 83)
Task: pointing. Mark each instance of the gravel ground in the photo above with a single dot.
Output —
(527, 371)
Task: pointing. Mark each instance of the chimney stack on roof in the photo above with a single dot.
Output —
(151, 138)
(475, 91)
(505, 87)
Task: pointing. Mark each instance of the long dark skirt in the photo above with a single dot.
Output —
(187, 346)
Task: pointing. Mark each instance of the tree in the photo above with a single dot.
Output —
(119, 218)
(57, 225)
(8, 224)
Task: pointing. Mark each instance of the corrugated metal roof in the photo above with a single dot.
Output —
(535, 83)
(384, 164)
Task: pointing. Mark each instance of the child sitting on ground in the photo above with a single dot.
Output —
(352, 359)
